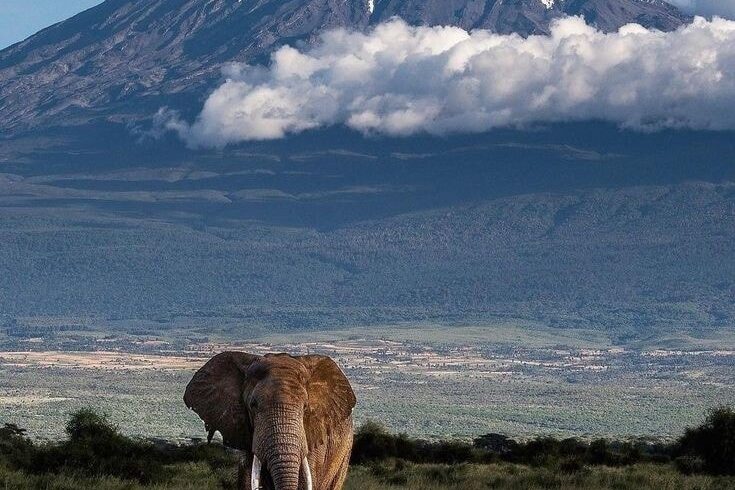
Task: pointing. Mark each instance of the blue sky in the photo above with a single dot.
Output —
(21, 18)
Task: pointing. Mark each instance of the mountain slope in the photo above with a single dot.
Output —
(578, 226)
(530, 16)
(124, 59)
(113, 57)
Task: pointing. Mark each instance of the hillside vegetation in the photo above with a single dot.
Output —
(576, 226)
(645, 264)
(95, 455)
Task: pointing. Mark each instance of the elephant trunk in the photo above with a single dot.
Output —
(283, 448)
(285, 473)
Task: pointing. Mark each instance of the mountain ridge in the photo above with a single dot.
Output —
(124, 59)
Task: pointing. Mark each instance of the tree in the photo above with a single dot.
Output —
(713, 442)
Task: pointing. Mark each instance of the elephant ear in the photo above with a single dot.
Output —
(331, 399)
(215, 393)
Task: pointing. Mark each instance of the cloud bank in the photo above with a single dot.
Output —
(401, 80)
(723, 8)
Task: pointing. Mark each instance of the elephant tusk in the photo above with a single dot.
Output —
(255, 474)
(307, 474)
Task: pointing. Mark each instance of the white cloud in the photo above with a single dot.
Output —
(723, 8)
(401, 80)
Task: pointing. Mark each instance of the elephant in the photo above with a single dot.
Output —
(290, 415)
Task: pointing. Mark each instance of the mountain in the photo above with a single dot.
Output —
(531, 16)
(124, 59)
(579, 225)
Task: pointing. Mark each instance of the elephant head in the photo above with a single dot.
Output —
(276, 407)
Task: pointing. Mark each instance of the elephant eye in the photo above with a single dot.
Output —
(253, 403)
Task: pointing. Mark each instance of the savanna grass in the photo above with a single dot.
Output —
(398, 475)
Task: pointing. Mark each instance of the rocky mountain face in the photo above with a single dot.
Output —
(124, 59)
(530, 16)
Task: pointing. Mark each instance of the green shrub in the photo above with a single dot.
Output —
(689, 465)
(570, 466)
(374, 443)
(598, 452)
(497, 444)
(713, 442)
(88, 425)
(15, 448)
(96, 448)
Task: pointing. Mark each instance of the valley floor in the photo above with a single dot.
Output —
(459, 387)
(462, 381)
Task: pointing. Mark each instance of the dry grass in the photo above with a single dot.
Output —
(100, 360)
(186, 476)
(515, 477)
(200, 476)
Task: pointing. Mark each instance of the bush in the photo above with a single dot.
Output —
(86, 424)
(96, 448)
(598, 452)
(689, 465)
(373, 442)
(570, 466)
(498, 444)
(712, 442)
(15, 448)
